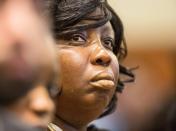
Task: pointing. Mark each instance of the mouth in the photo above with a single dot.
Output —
(104, 81)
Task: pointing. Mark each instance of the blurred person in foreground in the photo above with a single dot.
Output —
(27, 66)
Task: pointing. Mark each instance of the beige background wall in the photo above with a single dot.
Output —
(148, 23)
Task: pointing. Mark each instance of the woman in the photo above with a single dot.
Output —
(90, 44)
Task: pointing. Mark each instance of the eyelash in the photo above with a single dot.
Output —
(80, 36)
(108, 46)
(76, 39)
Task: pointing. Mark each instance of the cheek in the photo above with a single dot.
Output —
(72, 64)
(70, 61)
(115, 67)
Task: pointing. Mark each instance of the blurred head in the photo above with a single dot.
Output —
(89, 41)
(25, 46)
(27, 61)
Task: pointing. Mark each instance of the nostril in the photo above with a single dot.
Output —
(102, 62)
(99, 61)
(41, 113)
(100, 56)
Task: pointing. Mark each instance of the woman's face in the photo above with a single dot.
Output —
(88, 69)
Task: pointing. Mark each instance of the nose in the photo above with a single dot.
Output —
(40, 103)
(99, 56)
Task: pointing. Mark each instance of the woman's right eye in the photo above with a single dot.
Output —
(78, 38)
(75, 39)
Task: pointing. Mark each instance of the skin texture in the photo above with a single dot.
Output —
(89, 72)
(26, 55)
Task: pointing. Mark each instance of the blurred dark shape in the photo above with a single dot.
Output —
(25, 46)
(27, 66)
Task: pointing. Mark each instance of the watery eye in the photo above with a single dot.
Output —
(108, 43)
(53, 89)
(78, 38)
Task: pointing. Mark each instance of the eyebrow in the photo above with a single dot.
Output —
(109, 30)
(105, 27)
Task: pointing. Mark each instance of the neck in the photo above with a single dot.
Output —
(65, 126)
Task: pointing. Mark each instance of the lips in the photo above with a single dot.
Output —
(103, 81)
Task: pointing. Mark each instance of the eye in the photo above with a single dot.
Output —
(75, 39)
(78, 38)
(108, 43)
(53, 89)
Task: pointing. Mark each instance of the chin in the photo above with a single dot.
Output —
(95, 100)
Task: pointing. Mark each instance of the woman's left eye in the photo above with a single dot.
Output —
(108, 43)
